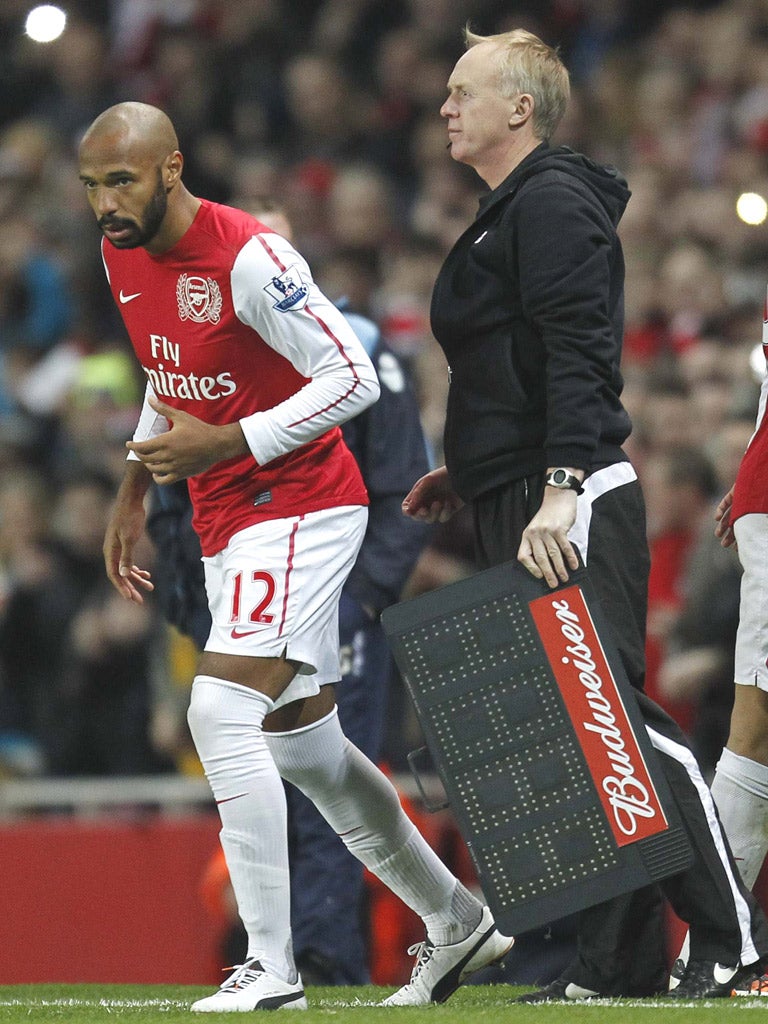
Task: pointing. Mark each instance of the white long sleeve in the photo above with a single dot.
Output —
(150, 424)
(273, 292)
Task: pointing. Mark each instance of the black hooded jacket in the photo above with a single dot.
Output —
(529, 311)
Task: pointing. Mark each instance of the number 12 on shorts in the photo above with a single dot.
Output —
(265, 592)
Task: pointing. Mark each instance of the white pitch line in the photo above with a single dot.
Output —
(742, 1002)
(118, 1004)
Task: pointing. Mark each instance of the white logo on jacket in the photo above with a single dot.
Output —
(199, 299)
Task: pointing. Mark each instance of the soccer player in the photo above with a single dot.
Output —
(740, 786)
(387, 440)
(250, 372)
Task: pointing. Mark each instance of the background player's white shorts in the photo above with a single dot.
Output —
(274, 590)
(751, 656)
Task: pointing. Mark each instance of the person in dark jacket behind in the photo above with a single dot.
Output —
(528, 308)
(387, 440)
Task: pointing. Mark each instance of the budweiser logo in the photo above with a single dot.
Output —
(598, 715)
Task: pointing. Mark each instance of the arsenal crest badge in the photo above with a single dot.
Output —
(199, 299)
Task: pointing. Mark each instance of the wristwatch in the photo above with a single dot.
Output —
(564, 481)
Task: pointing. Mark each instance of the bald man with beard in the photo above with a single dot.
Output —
(250, 372)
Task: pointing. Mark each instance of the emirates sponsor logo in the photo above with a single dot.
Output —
(167, 380)
(599, 716)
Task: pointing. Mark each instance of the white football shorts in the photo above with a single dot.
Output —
(274, 591)
(751, 656)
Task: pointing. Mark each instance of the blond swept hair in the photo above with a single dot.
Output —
(526, 64)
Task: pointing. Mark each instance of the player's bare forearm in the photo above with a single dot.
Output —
(124, 529)
(189, 447)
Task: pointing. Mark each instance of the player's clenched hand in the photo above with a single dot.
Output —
(724, 527)
(432, 499)
(545, 550)
(189, 447)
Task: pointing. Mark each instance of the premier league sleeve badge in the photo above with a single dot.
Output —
(287, 290)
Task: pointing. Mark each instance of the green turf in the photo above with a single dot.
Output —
(474, 1004)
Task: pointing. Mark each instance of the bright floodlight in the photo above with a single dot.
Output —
(751, 208)
(45, 23)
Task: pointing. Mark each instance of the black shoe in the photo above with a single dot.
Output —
(677, 973)
(559, 991)
(707, 979)
(315, 968)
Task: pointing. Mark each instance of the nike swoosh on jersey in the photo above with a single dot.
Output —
(237, 635)
(128, 298)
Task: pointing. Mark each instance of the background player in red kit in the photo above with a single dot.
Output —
(250, 372)
(740, 786)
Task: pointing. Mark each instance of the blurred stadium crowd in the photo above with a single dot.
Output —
(332, 107)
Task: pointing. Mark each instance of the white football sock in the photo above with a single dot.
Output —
(362, 805)
(226, 723)
(740, 790)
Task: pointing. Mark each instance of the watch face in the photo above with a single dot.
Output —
(559, 476)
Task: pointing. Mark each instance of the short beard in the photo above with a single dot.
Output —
(154, 212)
(152, 218)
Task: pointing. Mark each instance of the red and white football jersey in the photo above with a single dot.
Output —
(229, 326)
(751, 490)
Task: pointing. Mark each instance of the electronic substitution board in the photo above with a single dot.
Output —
(539, 743)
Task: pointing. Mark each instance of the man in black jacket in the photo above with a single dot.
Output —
(528, 308)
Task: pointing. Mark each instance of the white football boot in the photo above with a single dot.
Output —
(249, 987)
(439, 970)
